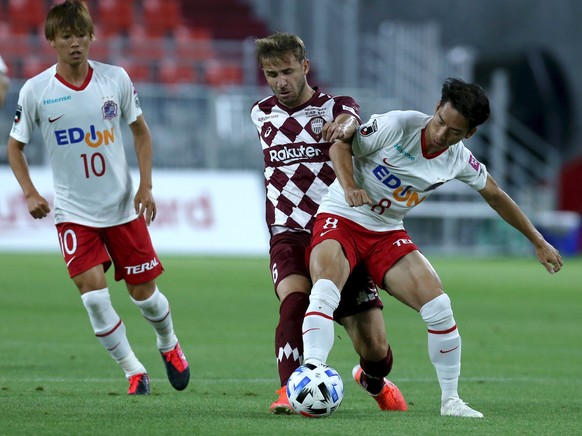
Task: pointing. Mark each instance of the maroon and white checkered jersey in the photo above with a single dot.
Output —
(298, 169)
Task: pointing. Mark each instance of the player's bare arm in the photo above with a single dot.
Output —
(341, 156)
(504, 205)
(38, 207)
(342, 128)
(144, 202)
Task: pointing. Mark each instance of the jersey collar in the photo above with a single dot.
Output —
(77, 88)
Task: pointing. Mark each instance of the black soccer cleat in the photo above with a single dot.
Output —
(139, 384)
(177, 368)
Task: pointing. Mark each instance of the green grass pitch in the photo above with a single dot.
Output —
(522, 354)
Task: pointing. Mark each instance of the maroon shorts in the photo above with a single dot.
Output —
(288, 256)
(128, 246)
(376, 251)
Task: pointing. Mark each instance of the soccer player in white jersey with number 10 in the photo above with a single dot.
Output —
(78, 105)
(399, 158)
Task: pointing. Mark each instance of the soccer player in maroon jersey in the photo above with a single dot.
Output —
(296, 127)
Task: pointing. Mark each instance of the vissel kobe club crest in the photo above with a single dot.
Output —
(317, 125)
(109, 110)
(314, 127)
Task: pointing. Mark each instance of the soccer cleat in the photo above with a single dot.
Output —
(282, 405)
(177, 368)
(457, 407)
(389, 398)
(139, 384)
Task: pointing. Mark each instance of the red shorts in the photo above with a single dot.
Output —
(128, 246)
(376, 251)
(288, 256)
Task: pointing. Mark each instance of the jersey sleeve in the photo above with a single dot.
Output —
(471, 171)
(346, 105)
(130, 107)
(376, 133)
(26, 115)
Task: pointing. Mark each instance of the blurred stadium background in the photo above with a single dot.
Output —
(194, 66)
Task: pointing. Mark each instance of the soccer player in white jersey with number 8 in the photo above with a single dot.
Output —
(392, 164)
(296, 126)
(78, 105)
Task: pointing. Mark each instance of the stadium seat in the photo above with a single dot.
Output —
(15, 50)
(26, 16)
(173, 72)
(223, 73)
(139, 72)
(192, 44)
(34, 64)
(161, 17)
(141, 46)
(115, 17)
(100, 50)
(238, 23)
(103, 46)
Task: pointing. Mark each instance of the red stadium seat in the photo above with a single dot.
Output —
(15, 50)
(101, 46)
(26, 16)
(161, 17)
(35, 64)
(141, 46)
(172, 72)
(223, 73)
(114, 17)
(139, 72)
(193, 44)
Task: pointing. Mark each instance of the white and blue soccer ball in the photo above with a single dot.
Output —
(315, 391)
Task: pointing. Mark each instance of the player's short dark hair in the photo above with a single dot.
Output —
(280, 46)
(70, 16)
(469, 99)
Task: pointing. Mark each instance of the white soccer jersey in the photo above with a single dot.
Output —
(82, 133)
(393, 167)
(298, 170)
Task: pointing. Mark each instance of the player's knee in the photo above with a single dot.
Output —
(437, 311)
(374, 349)
(325, 292)
(94, 301)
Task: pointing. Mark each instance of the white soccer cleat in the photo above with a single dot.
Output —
(457, 407)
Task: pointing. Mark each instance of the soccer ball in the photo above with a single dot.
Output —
(315, 391)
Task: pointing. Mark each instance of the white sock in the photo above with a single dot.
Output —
(444, 344)
(318, 327)
(110, 330)
(156, 310)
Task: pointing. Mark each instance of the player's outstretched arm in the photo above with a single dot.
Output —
(38, 207)
(144, 202)
(341, 156)
(504, 205)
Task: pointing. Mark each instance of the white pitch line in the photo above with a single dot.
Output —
(272, 380)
